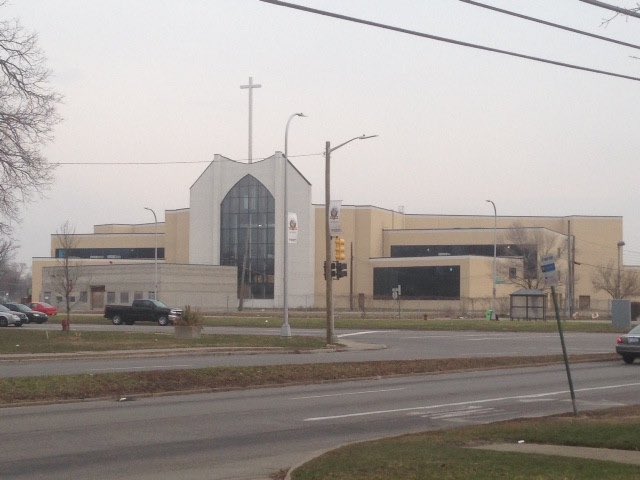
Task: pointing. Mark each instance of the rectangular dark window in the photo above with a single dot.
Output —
(584, 302)
(111, 297)
(113, 253)
(513, 272)
(418, 283)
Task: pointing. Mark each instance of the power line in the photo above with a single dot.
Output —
(175, 162)
(550, 24)
(129, 163)
(606, 6)
(448, 40)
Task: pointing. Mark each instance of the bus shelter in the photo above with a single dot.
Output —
(528, 304)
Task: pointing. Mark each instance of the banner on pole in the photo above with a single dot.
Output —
(335, 228)
(292, 227)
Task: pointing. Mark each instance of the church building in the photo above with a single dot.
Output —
(226, 250)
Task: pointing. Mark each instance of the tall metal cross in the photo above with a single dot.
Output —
(251, 86)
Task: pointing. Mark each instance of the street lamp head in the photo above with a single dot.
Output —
(300, 114)
(364, 137)
(621, 243)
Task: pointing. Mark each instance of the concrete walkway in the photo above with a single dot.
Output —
(606, 454)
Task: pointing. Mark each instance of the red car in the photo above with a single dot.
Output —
(44, 308)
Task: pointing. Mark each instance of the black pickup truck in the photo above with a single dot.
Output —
(141, 311)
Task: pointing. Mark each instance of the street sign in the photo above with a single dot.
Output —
(549, 272)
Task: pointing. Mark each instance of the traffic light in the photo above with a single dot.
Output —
(341, 253)
(333, 270)
(341, 270)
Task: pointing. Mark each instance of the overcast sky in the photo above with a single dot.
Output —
(159, 81)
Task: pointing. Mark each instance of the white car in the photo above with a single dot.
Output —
(8, 318)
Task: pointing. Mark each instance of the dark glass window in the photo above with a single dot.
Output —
(247, 236)
(418, 283)
(528, 253)
(112, 253)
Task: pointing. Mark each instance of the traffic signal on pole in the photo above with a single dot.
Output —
(341, 270)
(333, 270)
(341, 253)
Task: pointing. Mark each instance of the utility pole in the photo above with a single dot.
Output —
(328, 256)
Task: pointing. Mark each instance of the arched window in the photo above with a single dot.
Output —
(247, 236)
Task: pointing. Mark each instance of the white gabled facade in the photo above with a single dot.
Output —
(206, 196)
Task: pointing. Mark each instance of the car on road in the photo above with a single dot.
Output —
(7, 318)
(628, 346)
(43, 307)
(32, 315)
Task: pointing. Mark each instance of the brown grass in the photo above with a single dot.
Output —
(87, 386)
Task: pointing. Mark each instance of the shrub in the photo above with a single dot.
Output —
(190, 317)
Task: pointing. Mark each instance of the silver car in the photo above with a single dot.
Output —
(628, 346)
(8, 318)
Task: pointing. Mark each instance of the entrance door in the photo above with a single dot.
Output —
(97, 297)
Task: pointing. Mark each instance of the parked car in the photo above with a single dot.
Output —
(628, 346)
(141, 311)
(32, 315)
(43, 307)
(8, 318)
(23, 318)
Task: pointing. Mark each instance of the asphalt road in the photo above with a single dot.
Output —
(400, 345)
(251, 433)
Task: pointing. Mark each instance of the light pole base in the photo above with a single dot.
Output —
(285, 330)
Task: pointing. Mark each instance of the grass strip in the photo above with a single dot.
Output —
(444, 454)
(87, 386)
(373, 323)
(23, 341)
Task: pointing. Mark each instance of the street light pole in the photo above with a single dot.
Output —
(285, 330)
(327, 264)
(495, 249)
(618, 289)
(155, 219)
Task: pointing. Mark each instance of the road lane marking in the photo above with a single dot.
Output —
(469, 402)
(460, 413)
(349, 393)
(357, 333)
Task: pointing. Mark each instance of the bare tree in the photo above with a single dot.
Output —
(68, 273)
(619, 284)
(7, 250)
(11, 274)
(528, 245)
(27, 117)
